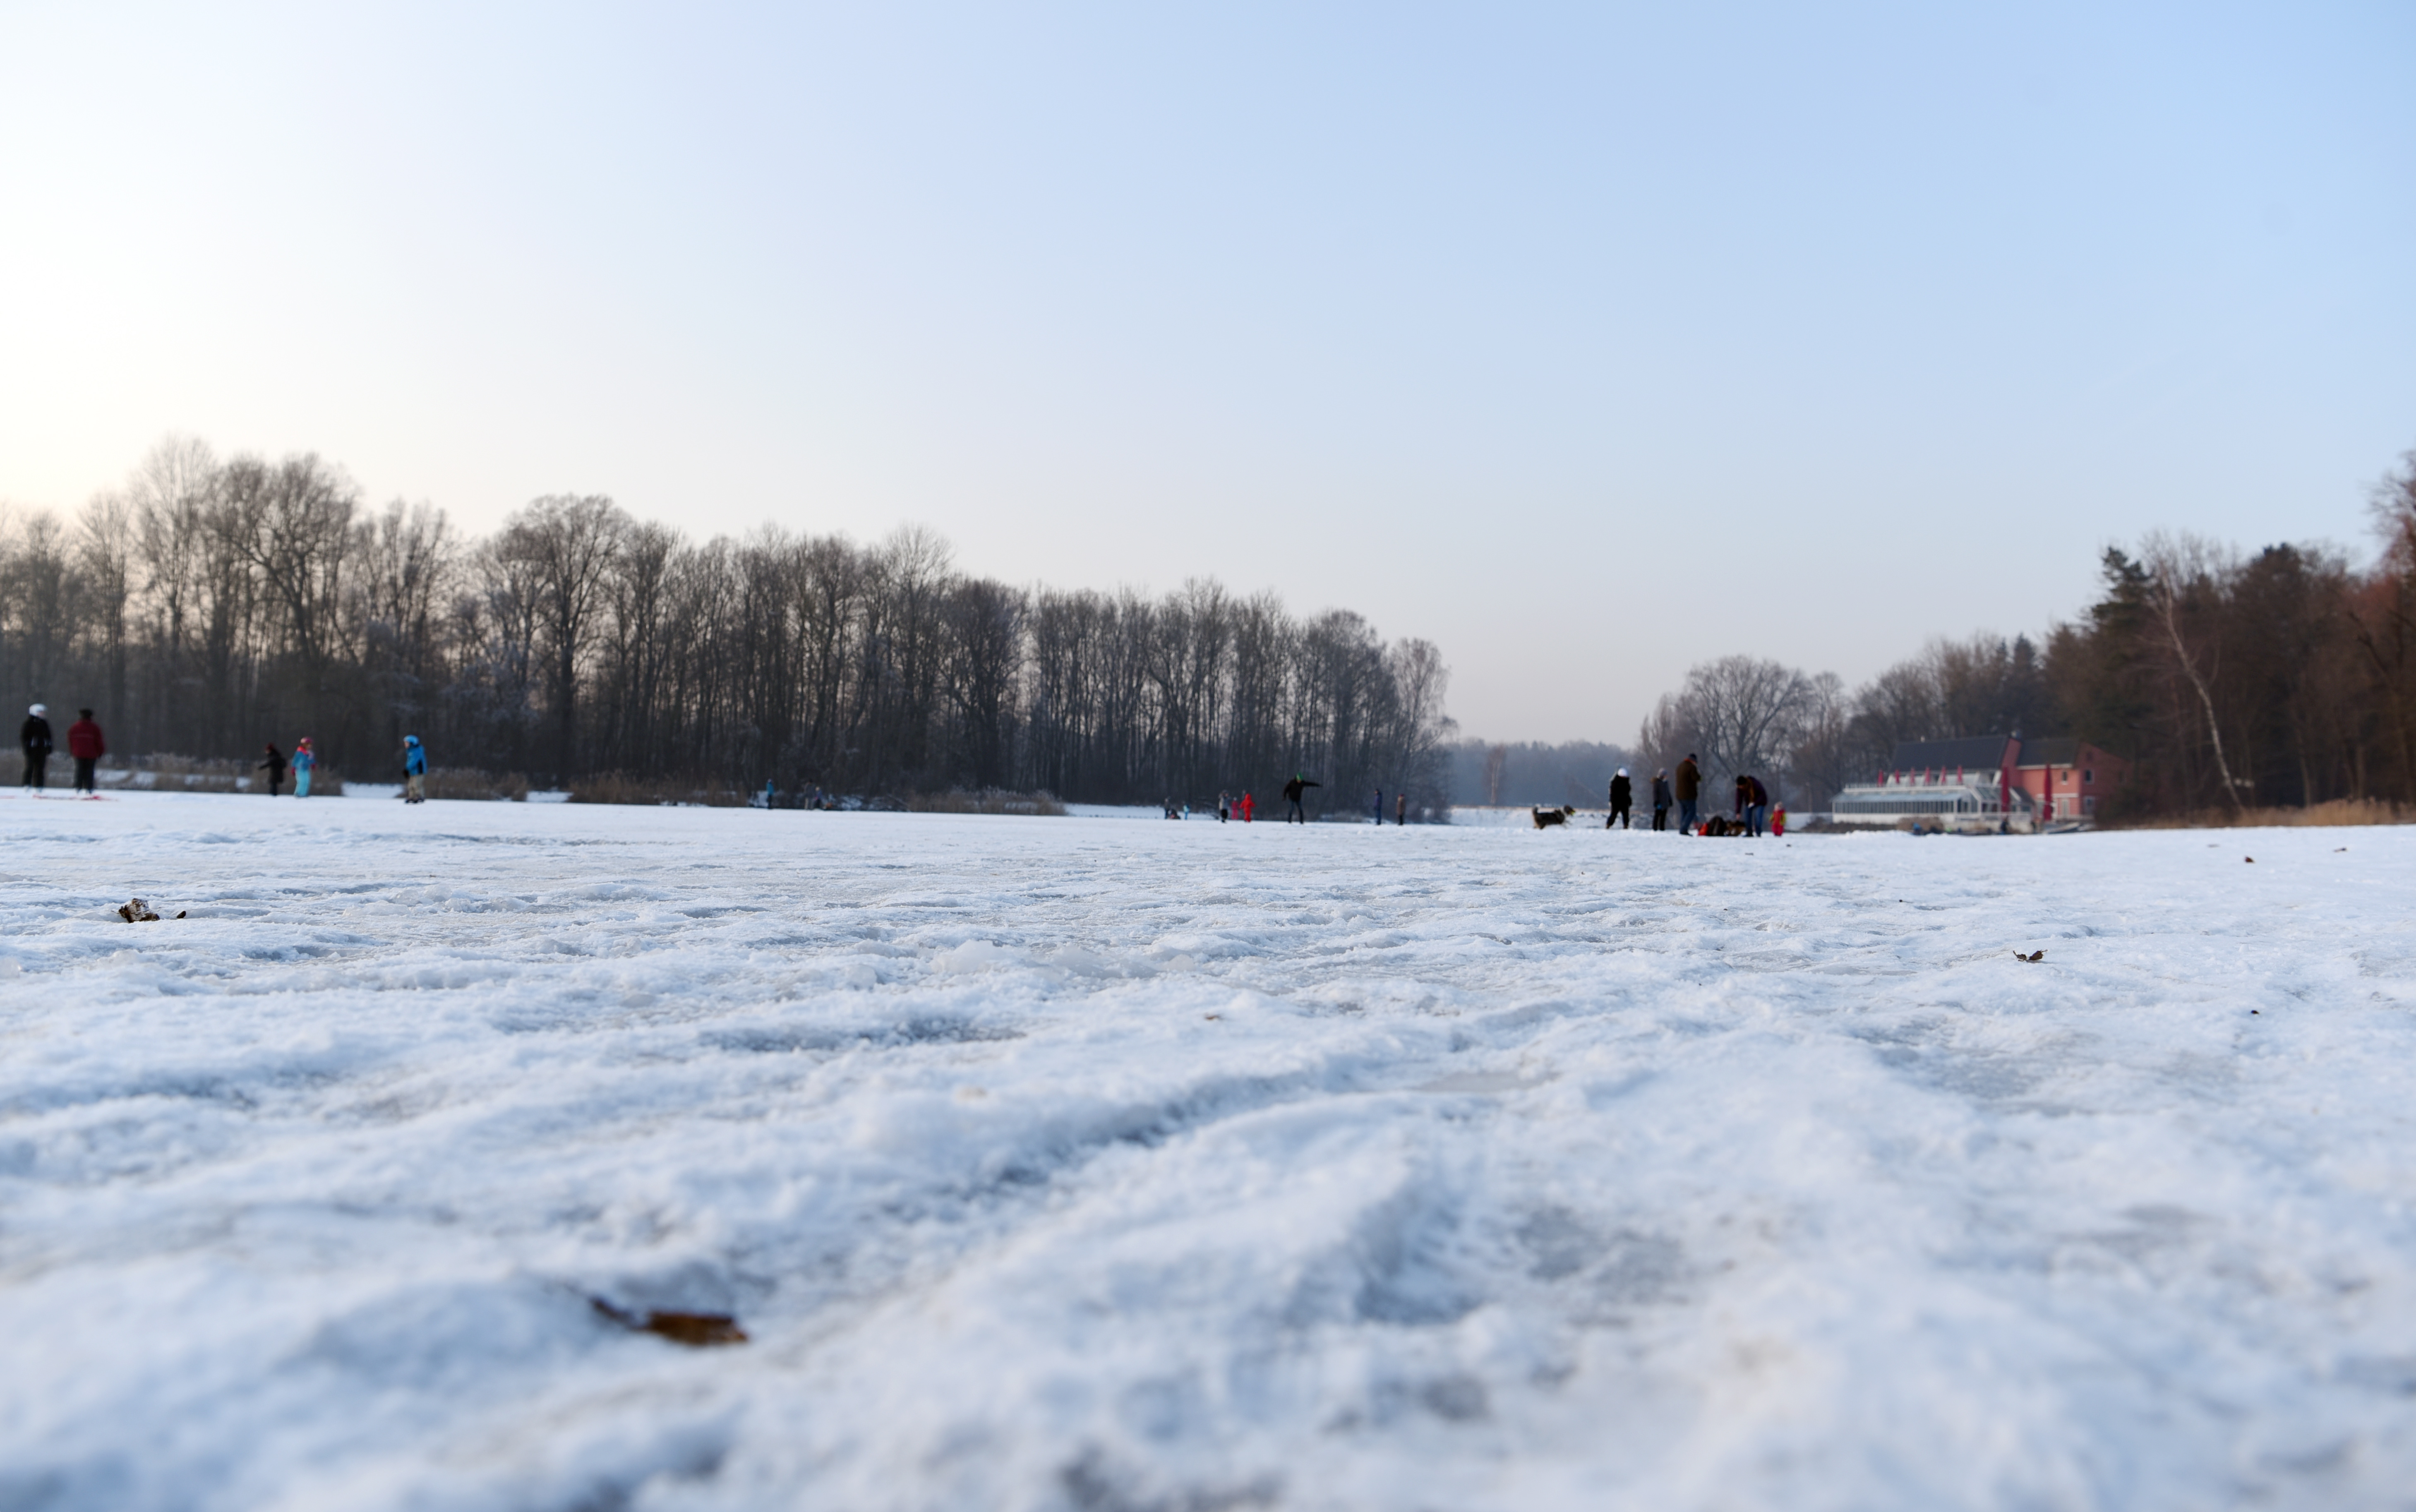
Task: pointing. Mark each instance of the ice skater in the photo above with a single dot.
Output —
(1622, 802)
(35, 740)
(275, 767)
(304, 762)
(86, 745)
(414, 770)
(1291, 792)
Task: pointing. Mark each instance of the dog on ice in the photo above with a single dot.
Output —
(1547, 818)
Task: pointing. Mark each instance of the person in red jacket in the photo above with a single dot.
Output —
(86, 745)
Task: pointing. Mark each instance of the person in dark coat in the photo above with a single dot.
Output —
(86, 745)
(1291, 792)
(1400, 809)
(1379, 807)
(1690, 790)
(36, 739)
(1661, 799)
(275, 767)
(1622, 802)
(1756, 806)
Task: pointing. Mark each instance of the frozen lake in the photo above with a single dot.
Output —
(1057, 1164)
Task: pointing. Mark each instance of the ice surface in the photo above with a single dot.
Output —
(1065, 1164)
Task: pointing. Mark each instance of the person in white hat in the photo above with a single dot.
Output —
(36, 739)
(1622, 802)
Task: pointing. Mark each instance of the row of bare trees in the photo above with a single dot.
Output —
(212, 604)
(2283, 678)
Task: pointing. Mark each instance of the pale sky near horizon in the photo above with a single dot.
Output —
(1587, 342)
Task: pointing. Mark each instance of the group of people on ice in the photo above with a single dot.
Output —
(87, 744)
(1245, 807)
(1752, 815)
(84, 742)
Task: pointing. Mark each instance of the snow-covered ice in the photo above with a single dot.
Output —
(1063, 1164)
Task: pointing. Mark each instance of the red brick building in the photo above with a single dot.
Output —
(2065, 779)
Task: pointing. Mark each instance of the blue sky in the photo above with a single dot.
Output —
(1586, 341)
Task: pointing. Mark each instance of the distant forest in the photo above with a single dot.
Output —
(1574, 772)
(2286, 678)
(211, 605)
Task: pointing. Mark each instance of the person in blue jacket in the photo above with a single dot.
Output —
(414, 770)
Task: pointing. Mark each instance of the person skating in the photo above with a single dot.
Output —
(1291, 792)
(414, 770)
(36, 739)
(86, 745)
(1661, 799)
(304, 762)
(1224, 806)
(275, 767)
(1690, 790)
(1623, 801)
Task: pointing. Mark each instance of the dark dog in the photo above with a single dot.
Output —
(1547, 818)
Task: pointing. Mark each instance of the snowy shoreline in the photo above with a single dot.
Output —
(1100, 1165)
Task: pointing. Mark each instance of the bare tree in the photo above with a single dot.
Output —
(2179, 568)
(561, 548)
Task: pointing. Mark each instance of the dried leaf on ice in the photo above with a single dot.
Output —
(698, 1330)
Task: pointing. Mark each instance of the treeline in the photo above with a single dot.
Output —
(1532, 773)
(212, 604)
(2281, 678)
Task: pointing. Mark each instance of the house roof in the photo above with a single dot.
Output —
(1976, 753)
(2060, 752)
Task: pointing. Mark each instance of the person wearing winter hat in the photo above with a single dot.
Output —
(1622, 802)
(303, 761)
(414, 770)
(35, 740)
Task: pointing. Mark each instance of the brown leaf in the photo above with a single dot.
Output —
(698, 1330)
(695, 1329)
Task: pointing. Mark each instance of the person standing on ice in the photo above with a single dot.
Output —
(1249, 806)
(86, 745)
(275, 767)
(1400, 810)
(303, 763)
(1690, 790)
(1661, 799)
(1291, 792)
(1756, 806)
(1224, 806)
(414, 770)
(1379, 807)
(1623, 801)
(35, 740)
